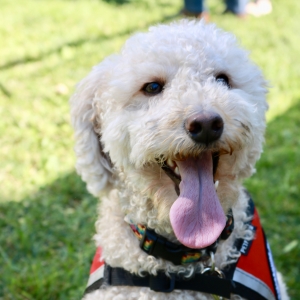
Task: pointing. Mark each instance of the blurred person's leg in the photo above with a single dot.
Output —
(195, 8)
(237, 7)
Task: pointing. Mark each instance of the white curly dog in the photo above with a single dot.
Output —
(165, 133)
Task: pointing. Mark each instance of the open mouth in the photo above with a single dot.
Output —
(171, 169)
(196, 216)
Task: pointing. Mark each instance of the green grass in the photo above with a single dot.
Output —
(46, 216)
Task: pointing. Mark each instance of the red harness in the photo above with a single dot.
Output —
(252, 277)
(255, 269)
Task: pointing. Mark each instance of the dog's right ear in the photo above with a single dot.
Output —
(92, 164)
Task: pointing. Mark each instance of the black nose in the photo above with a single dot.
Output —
(205, 127)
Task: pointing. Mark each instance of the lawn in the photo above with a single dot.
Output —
(46, 216)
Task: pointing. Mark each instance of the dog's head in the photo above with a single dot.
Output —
(178, 111)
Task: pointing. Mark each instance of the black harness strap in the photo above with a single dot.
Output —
(162, 283)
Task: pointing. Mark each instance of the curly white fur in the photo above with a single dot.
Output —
(121, 133)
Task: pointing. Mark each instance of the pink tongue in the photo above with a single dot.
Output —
(197, 216)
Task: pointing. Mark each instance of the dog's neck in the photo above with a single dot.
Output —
(122, 249)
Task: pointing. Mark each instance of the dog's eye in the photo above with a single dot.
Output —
(223, 79)
(152, 88)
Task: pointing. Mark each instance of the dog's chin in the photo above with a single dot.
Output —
(171, 169)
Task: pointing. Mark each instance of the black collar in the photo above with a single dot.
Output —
(159, 247)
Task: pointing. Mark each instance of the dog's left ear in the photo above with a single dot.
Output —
(92, 164)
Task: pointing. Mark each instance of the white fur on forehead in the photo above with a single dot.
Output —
(182, 37)
(192, 44)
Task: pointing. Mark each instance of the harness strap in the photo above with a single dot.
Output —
(162, 283)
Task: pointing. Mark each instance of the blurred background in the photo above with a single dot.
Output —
(46, 216)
